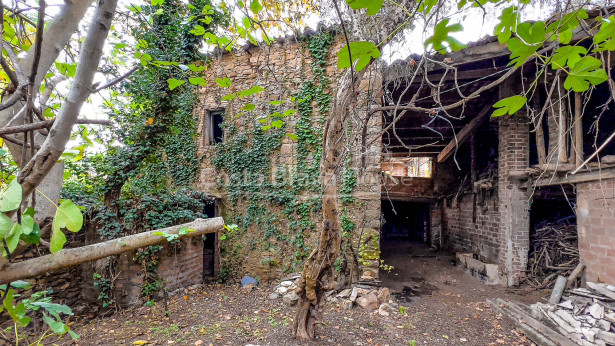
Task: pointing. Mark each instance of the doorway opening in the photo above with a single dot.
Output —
(405, 222)
(209, 246)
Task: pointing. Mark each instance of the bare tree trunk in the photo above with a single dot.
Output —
(319, 274)
(72, 257)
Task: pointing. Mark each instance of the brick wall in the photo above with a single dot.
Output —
(177, 269)
(513, 200)
(462, 234)
(595, 219)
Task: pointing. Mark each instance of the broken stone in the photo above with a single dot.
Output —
(286, 283)
(290, 298)
(384, 295)
(385, 309)
(274, 296)
(346, 304)
(281, 290)
(369, 301)
(354, 294)
(567, 304)
(596, 310)
(604, 325)
(344, 293)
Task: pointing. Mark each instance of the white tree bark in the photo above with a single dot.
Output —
(71, 257)
(55, 143)
(55, 38)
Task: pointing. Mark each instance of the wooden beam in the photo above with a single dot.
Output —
(558, 179)
(464, 133)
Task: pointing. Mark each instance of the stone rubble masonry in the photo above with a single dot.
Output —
(281, 69)
(596, 226)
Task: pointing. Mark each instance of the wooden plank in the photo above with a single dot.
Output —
(463, 135)
(605, 173)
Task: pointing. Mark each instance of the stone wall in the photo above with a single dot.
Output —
(595, 220)
(282, 70)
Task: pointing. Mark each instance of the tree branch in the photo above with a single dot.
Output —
(44, 160)
(117, 80)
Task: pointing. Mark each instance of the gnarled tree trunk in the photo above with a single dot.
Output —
(319, 274)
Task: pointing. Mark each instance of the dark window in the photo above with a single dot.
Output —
(215, 130)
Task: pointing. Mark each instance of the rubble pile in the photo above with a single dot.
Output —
(370, 298)
(585, 317)
(554, 251)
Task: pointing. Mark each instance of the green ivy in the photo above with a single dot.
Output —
(278, 209)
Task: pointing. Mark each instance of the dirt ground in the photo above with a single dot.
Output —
(442, 305)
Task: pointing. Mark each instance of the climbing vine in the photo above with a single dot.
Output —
(145, 182)
(292, 191)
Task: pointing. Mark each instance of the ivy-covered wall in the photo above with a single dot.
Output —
(267, 170)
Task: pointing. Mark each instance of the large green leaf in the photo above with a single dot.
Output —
(530, 38)
(372, 6)
(33, 237)
(567, 56)
(563, 29)
(441, 36)
(68, 216)
(174, 83)
(249, 92)
(12, 239)
(362, 52)
(5, 225)
(10, 199)
(509, 105)
(585, 72)
(198, 81)
(57, 241)
(604, 38)
(255, 6)
(507, 25)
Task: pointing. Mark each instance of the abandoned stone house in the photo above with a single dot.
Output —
(457, 180)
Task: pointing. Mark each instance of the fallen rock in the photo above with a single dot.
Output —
(290, 298)
(384, 295)
(281, 290)
(385, 309)
(369, 301)
(344, 293)
(354, 294)
(274, 296)
(286, 283)
(347, 304)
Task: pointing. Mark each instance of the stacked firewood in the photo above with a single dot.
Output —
(553, 251)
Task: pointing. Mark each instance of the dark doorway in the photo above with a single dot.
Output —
(405, 221)
(209, 246)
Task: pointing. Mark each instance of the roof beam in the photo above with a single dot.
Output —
(464, 133)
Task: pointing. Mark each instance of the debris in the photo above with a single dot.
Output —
(290, 298)
(554, 251)
(558, 290)
(369, 301)
(354, 294)
(578, 320)
(246, 280)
